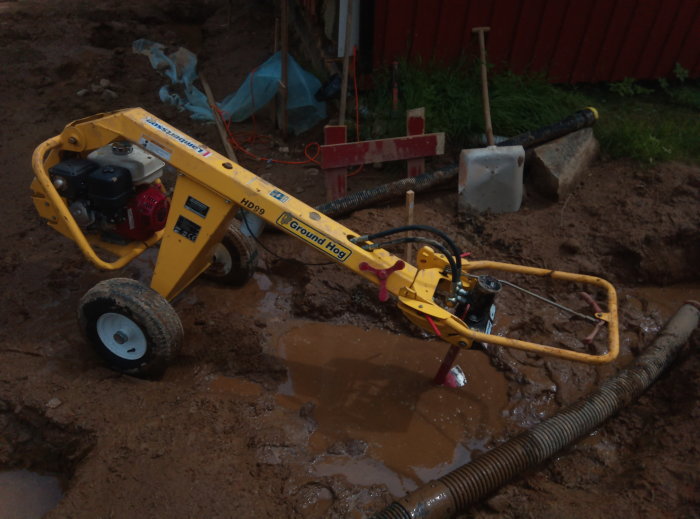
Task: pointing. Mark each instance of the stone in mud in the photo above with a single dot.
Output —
(556, 167)
(108, 94)
(53, 403)
(499, 503)
(570, 246)
(306, 411)
(355, 448)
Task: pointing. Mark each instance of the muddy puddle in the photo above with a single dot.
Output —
(666, 300)
(379, 418)
(27, 495)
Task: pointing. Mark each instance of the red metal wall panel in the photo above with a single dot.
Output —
(399, 28)
(655, 40)
(620, 21)
(425, 33)
(552, 16)
(632, 51)
(593, 44)
(448, 43)
(686, 14)
(525, 35)
(480, 14)
(570, 40)
(501, 37)
(688, 57)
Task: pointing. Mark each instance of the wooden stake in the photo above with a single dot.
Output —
(484, 84)
(217, 119)
(284, 36)
(409, 209)
(276, 37)
(346, 66)
(276, 47)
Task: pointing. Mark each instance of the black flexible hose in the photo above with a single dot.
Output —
(456, 491)
(427, 228)
(576, 121)
(389, 191)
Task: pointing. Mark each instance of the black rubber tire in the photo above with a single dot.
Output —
(152, 313)
(242, 259)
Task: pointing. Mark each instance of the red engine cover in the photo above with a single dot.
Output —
(146, 213)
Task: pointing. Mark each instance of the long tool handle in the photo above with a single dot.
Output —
(346, 65)
(217, 119)
(284, 85)
(484, 83)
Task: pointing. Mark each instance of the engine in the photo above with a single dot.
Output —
(114, 191)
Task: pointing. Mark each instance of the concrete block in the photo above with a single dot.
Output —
(556, 167)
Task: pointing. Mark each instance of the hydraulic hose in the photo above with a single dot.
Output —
(456, 251)
(456, 491)
(350, 203)
(454, 269)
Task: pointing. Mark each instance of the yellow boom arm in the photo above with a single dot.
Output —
(208, 192)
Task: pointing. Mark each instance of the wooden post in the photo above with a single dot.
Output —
(284, 36)
(275, 49)
(409, 209)
(346, 66)
(217, 119)
(415, 125)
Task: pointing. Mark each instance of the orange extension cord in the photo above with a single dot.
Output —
(254, 136)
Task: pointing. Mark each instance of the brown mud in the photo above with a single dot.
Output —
(300, 394)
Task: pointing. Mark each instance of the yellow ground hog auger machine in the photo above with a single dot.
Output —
(98, 183)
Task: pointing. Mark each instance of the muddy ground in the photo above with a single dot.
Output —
(300, 395)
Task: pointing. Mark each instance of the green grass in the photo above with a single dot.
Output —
(651, 123)
(650, 128)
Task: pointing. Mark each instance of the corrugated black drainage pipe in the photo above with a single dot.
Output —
(576, 121)
(467, 485)
(354, 201)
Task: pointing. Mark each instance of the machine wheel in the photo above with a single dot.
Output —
(132, 327)
(235, 259)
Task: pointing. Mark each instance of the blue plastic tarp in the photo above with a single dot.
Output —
(258, 89)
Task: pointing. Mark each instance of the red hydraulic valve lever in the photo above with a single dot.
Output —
(383, 275)
(596, 308)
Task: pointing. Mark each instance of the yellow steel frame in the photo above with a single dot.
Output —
(222, 187)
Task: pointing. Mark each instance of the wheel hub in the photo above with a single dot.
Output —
(222, 262)
(121, 336)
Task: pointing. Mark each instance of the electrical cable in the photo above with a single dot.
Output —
(357, 108)
(255, 136)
